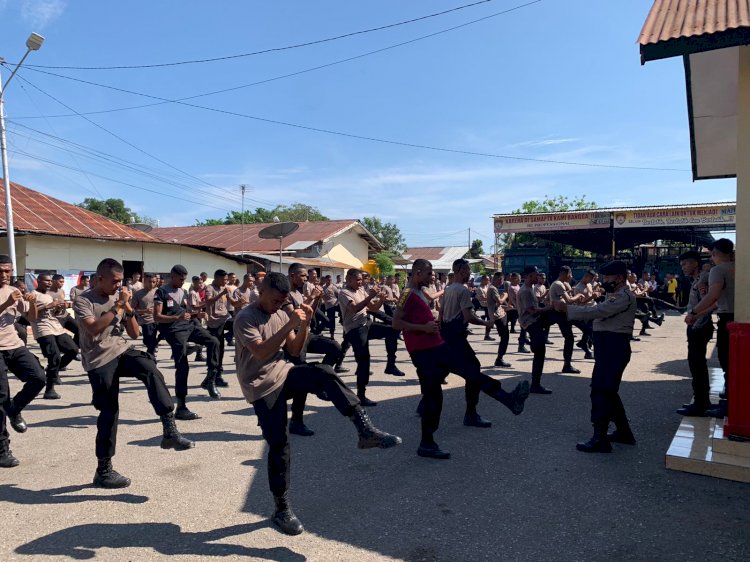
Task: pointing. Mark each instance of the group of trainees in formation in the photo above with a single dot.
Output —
(276, 321)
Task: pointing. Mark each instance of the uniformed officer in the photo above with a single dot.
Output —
(613, 326)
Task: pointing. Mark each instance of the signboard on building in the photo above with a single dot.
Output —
(551, 221)
(714, 216)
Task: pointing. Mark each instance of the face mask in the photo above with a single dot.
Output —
(609, 286)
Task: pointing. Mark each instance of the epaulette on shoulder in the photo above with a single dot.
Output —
(404, 296)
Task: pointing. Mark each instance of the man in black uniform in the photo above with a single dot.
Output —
(316, 343)
(613, 326)
(267, 379)
(181, 327)
(16, 358)
(107, 357)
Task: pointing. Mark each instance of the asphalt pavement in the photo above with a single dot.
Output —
(516, 491)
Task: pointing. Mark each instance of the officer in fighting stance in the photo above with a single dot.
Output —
(613, 326)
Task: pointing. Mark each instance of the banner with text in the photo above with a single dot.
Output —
(691, 216)
(551, 221)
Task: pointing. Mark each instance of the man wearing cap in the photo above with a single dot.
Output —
(698, 335)
(721, 295)
(180, 327)
(613, 326)
(534, 322)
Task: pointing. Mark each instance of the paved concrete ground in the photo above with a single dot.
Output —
(516, 491)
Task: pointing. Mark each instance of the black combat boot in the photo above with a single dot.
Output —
(369, 436)
(570, 369)
(182, 412)
(298, 427)
(18, 423)
(432, 451)
(108, 477)
(473, 419)
(599, 442)
(537, 388)
(209, 384)
(284, 518)
(173, 439)
(7, 460)
(200, 357)
(220, 381)
(622, 435)
(364, 400)
(49, 392)
(515, 400)
(391, 369)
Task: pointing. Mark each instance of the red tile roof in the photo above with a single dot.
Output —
(39, 213)
(236, 238)
(675, 27)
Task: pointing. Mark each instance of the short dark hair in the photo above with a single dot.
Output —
(204, 273)
(565, 269)
(691, 255)
(458, 264)
(276, 281)
(353, 273)
(247, 276)
(107, 265)
(57, 277)
(148, 275)
(420, 264)
(220, 273)
(44, 274)
(196, 278)
(723, 245)
(498, 275)
(295, 267)
(4, 258)
(84, 277)
(179, 270)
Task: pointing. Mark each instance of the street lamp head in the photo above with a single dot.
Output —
(34, 42)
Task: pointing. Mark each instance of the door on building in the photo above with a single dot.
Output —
(131, 267)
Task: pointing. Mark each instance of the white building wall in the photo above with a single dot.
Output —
(61, 254)
(348, 248)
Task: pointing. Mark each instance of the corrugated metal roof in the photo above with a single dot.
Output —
(39, 213)
(623, 209)
(288, 260)
(236, 238)
(440, 257)
(675, 27)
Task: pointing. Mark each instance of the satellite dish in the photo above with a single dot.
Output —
(142, 226)
(279, 230)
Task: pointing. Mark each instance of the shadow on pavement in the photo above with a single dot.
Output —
(223, 436)
(516, 491)
(82, 541)
(14, 494)
(80, 422)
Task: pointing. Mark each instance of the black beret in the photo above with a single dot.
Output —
(614, 268)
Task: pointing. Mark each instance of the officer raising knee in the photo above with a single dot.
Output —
(613, 326)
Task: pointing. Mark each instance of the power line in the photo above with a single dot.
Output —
(270, 50)
(121, 139)
(267, 80)
(134, 186)
(375, 139)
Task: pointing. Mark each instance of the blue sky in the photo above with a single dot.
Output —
(553, 80)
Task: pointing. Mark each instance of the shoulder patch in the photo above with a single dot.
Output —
(404, 297)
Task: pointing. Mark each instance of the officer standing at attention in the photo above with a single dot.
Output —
(613, 326)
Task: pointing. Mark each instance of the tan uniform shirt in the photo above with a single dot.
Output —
(8, 336)
(259, 378)
(218, 311)
(99, 350)
(46, 323)
(358, 319)
(144, 299)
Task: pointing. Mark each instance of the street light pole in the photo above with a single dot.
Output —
(33, 43)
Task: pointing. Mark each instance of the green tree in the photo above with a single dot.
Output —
(476, 251)
(385, 263)
(388, 233)
(296, 212)
(116, 210)
(561, 203)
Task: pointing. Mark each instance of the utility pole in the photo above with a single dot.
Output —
(242, 221)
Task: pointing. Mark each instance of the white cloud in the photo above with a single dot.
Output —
(41, 12)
